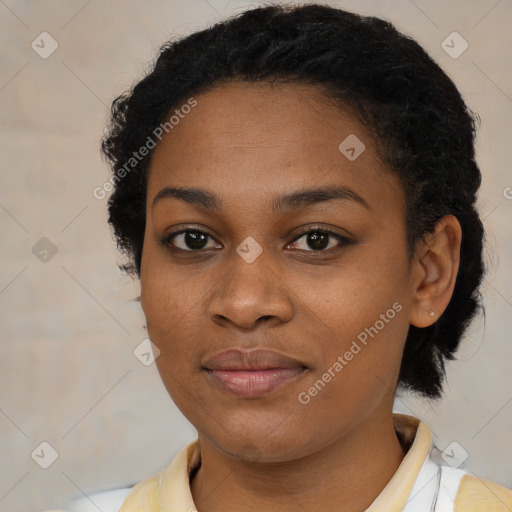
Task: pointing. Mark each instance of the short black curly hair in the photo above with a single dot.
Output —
(422, 128)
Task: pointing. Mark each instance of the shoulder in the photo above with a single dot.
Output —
(479, 495)
(170, 486)
(143, 496)
(109, 501)
(147, 495)
(139, 498)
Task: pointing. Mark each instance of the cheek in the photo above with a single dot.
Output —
(360, 360)
(363, 310)
(169, 300)
(171, 305)
(354, 295)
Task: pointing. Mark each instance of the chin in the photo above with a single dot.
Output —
(258, 446)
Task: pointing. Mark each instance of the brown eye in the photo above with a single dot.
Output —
(189, 240)
(318, 240)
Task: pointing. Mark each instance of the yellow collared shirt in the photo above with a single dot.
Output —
(422, 483)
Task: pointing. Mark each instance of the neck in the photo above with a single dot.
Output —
(346, 475)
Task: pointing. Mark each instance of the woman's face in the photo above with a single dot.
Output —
(333, 304)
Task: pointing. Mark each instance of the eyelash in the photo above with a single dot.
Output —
(343, 241)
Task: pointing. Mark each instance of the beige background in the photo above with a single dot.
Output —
(68, 375)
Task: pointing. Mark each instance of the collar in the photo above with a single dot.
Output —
(170, 490)
(417, 435)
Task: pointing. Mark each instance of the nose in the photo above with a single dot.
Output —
(249, 294)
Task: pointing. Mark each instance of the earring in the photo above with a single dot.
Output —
(431, 312)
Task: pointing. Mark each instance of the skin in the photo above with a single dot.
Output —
(274, 452)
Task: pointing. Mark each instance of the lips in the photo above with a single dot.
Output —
(252, 373)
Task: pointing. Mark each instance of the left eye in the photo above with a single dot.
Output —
(318, 240)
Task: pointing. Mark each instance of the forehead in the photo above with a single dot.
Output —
(246, 139)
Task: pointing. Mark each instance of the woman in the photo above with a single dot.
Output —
(295, 187)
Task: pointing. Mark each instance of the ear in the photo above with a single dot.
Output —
(434, 271)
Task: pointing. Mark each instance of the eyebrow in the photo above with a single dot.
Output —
(291, 201)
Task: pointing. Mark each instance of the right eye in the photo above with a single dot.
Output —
(191, 240)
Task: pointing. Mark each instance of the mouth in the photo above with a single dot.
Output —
(253, 383)
(252, 373)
